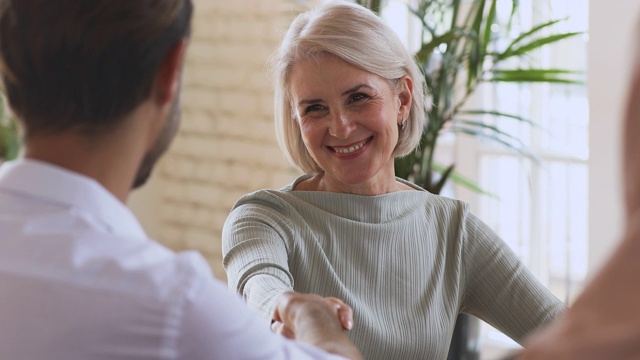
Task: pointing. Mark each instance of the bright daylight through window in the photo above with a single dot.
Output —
(539, 209)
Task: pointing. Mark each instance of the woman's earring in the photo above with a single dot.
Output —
(403, 124)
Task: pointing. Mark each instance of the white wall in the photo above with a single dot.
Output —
(226, 146)
(612, 34)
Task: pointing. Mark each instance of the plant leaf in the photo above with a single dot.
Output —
(427, 49)
(444, 176)
(524, 49)
(460, 179)
(374, 5)
(455, 4)
(486, 39)
(493, 128)
(532, 31)
(514, 8)
(497, 113)
(404, 165)
(534, 75)
(9, 142)
(521, 150)
(420, 14)
(474, 46)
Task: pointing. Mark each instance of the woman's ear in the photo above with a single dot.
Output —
(405, 95)
(168, 78)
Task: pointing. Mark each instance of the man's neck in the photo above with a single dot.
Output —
(111, 160)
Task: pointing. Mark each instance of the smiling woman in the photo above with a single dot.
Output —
(349, 100)
(349, 120)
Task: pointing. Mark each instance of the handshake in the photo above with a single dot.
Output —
(315, 320)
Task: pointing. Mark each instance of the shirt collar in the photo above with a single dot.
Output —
(54, 184)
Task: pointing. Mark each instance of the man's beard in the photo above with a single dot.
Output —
(161, 145)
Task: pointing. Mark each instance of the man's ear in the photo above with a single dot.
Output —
(168, 78)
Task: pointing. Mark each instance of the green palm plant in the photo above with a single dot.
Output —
(9, 140)
(458, 53)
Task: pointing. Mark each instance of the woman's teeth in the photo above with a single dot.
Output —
(350, 149)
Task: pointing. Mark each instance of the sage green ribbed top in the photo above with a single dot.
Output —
(407, 262)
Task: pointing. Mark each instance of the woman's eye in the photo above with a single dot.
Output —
(313, 108)
(358, 97)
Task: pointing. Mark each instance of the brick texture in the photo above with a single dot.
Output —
(226, 146)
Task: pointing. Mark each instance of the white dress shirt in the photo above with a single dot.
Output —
(79, 279)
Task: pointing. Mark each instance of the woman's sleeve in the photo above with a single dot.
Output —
(255, 254)
(499, 288)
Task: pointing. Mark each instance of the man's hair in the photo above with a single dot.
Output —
(84, 63)
(356, 35)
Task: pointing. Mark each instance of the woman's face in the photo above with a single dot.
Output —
(349, 120)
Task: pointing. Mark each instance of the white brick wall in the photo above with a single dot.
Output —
(226, 146)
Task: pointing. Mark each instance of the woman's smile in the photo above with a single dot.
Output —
(350, 149)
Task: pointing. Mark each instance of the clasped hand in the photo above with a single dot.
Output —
(295, 313)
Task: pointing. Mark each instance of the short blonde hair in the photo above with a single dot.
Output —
(358, 36)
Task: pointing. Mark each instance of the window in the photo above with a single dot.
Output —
(540, 210)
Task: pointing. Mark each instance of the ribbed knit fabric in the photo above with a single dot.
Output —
(407, 262)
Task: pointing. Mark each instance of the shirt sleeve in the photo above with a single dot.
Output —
(499, 288)
(255, 247)
(217, 324)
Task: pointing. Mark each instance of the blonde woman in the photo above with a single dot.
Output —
(349, 100)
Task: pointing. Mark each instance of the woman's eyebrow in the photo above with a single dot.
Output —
(308, 101)
(353, 89)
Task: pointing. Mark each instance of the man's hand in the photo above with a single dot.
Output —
(344, 312)
(315, 320)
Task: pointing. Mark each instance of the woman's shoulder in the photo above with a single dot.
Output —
(270, 197)
(431, 199)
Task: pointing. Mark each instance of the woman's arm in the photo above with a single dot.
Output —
(256, 240)
(499, 288)
(255, 247)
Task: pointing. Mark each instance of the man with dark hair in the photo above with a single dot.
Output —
(96, 85)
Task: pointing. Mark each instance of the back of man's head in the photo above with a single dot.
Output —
(84, 63)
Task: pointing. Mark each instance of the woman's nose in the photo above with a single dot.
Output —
(341, 126)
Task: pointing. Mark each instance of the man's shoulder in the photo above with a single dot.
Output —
(92, 261)
(149, 269)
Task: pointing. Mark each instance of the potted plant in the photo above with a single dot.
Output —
(459, 53)
(462, 47)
